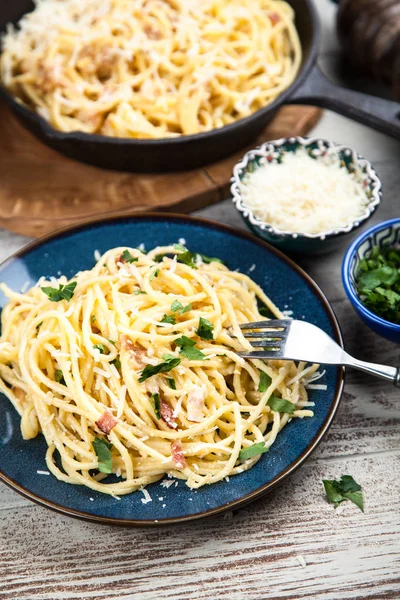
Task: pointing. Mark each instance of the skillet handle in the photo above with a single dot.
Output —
(318, 90)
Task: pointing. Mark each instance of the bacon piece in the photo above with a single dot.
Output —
(177, 455)
(274, 18)
(135, 351)
(167, 414)
(153, 34)
(106, 422)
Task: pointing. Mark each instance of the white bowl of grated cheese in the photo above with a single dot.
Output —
(304, 194)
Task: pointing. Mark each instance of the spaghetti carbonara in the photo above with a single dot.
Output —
(131, 368)
(150, 68)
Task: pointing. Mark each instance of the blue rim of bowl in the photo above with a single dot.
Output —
(263, 489)
(262, 150)
(348, 286)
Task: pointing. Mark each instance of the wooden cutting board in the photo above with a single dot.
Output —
(41, 190)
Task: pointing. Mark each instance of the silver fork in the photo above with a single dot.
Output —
(289, 339)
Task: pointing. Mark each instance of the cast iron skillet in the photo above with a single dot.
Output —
(310, 87)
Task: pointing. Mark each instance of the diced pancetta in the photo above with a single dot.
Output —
(177, 455)
(106, 422)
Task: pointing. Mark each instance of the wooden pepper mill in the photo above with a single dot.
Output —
(370, 33)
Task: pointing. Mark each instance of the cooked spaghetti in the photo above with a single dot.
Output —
(150, 68)
(131, 368)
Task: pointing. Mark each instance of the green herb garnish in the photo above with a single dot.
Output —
(99, 347)
(127, 257)
(168, 319)
(205, 329)
(155, 273)
(59, 377)
(170, 362)
(156, 403)
(117, 363)
(39, 325)
(253, 450)
(378, 283)
(176, 306)
(171, 382)
(265, 382)
(64, 292)
(137, 292)
(280, 405)
(93, 318)
(112, 342)
(344, 489)
(265, 312)
(187, 258)
(179, 247)
(210, 259)
(103, 453)
(188, 348)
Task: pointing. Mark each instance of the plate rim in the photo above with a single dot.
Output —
(263, 489)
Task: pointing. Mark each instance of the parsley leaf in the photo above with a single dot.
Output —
(265, 382)
(180, 247)
(103, 453)
(253, 450)
(188, 348)
(117, 363)
(64, 292)
(265, 312)
(127, 257)
(93, 318)
(59, 377)
(187, 258)
(156, 403)
(280, 405)
(168, 319)
(170, 362)
(99, 347)
(137, 292)
(155, 273)
(171, 383)
(112, 342)
(39, 325)
(207, 259)
(176, 306)
(344, 489)
(205, 329)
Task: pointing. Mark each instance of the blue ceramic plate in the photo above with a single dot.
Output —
(72, 250)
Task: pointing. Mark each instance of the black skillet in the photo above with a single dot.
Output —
(310, 87)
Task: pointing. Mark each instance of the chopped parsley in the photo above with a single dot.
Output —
(112, 342)
(253, 450)
(344, 489)
(378, 283)
(280, 405)
(156, 403)
(155, 273)
(187, 258)
(179, 247)
(103, 453)
(137, 292)
(207, 259)
(99, 347)
(64, 292)
(265, 312)
(171, 382)
(170, 362)
(127, 257)
(168, 319)
(59, 377)
(178, 307)
(187, 348)
(117, 363)
(39, 325)
(205, 329)
(93, 318)
(265, 382)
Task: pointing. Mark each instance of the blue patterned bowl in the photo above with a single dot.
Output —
(306, 243)
(383, 234)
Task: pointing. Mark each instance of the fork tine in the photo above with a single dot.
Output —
(268, 324)
(266, 335)
(262, 354)
(266, 344)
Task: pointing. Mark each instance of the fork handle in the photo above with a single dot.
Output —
(384, 372)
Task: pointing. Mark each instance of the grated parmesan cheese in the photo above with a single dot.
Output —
(147, 498)
(304, 194)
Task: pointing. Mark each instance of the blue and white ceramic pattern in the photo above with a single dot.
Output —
(21, 462)
(307, 243)
(386, 233)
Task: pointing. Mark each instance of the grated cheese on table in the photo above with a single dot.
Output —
(304, 194)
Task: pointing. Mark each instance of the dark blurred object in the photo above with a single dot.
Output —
(370, 33)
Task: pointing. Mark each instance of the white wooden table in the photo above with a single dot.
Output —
(253, 553)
